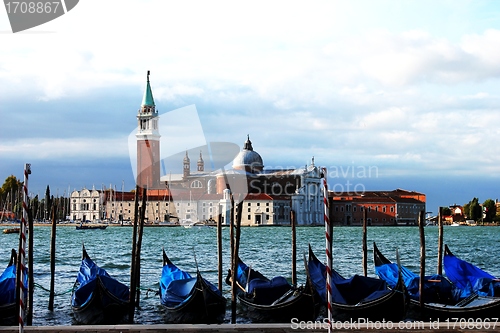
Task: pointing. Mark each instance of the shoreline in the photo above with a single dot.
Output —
(114, 225)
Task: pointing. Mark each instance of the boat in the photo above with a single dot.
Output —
(11, 230)
(97, 297)
(187, 299)
(91, 226)
(468, 277)
(9, 310)
(273, 300)
(441, 299)
(359, 296)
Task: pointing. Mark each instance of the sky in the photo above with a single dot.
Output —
(385, 94)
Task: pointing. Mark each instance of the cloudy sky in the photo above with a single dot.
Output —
(386, 94)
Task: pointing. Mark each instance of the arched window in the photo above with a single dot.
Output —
(196, 184)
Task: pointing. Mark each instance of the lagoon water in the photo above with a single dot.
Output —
(267, 249)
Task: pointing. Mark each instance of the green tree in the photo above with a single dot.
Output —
(445, 211)
(48, 203)
(11, 194)
(475, 211)
(489, 210)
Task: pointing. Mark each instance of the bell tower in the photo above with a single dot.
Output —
(186, 162)
(148, 142)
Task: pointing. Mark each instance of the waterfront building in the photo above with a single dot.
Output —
(397, 207)
(87, 205)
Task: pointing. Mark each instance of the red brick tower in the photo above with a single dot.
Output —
(148, 142)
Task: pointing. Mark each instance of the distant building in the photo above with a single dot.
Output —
(268, 195)
(87, 205)
(397, 207)
(280, 190)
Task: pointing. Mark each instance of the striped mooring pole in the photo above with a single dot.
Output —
(22, 253)
(328, 237)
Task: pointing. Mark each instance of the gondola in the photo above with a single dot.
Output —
(273, 300)
(441, 299)
(98, 298)
(468, 277)
(187, 299)
(359, 296)
(8, 307)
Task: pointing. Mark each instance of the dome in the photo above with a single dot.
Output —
(248, 159)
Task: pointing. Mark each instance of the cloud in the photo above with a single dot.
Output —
(78, 148)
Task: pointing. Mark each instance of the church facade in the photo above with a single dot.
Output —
(268, 195)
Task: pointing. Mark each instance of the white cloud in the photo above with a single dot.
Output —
(64, 148)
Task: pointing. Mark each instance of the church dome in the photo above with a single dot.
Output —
(248, 159)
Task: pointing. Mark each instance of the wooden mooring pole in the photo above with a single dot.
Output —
(219, 250)
(365, 246)
(235, 234)
(422, 258)
(440, 244)
(294, 249)
(31, 281)
(137, 265)
(132, 268)
(52, 259)
(234, 263)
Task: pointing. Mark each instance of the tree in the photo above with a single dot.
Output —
(475, 213)
(445, 211)
(489, 210)
(48, 203)
(11, 195)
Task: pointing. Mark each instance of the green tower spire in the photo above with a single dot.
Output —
(148, 95)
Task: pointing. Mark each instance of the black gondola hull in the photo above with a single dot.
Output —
(390, 307)
(476, 308)
(102, 308)
(286, 303)
(301, 306)
(203, 306)
(9, 314)
(484, 308)
(393, 308)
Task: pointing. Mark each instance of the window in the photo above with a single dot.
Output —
(196, 184)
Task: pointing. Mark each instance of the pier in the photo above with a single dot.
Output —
(316, 327)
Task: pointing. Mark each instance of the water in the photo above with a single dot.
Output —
(267, 249)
